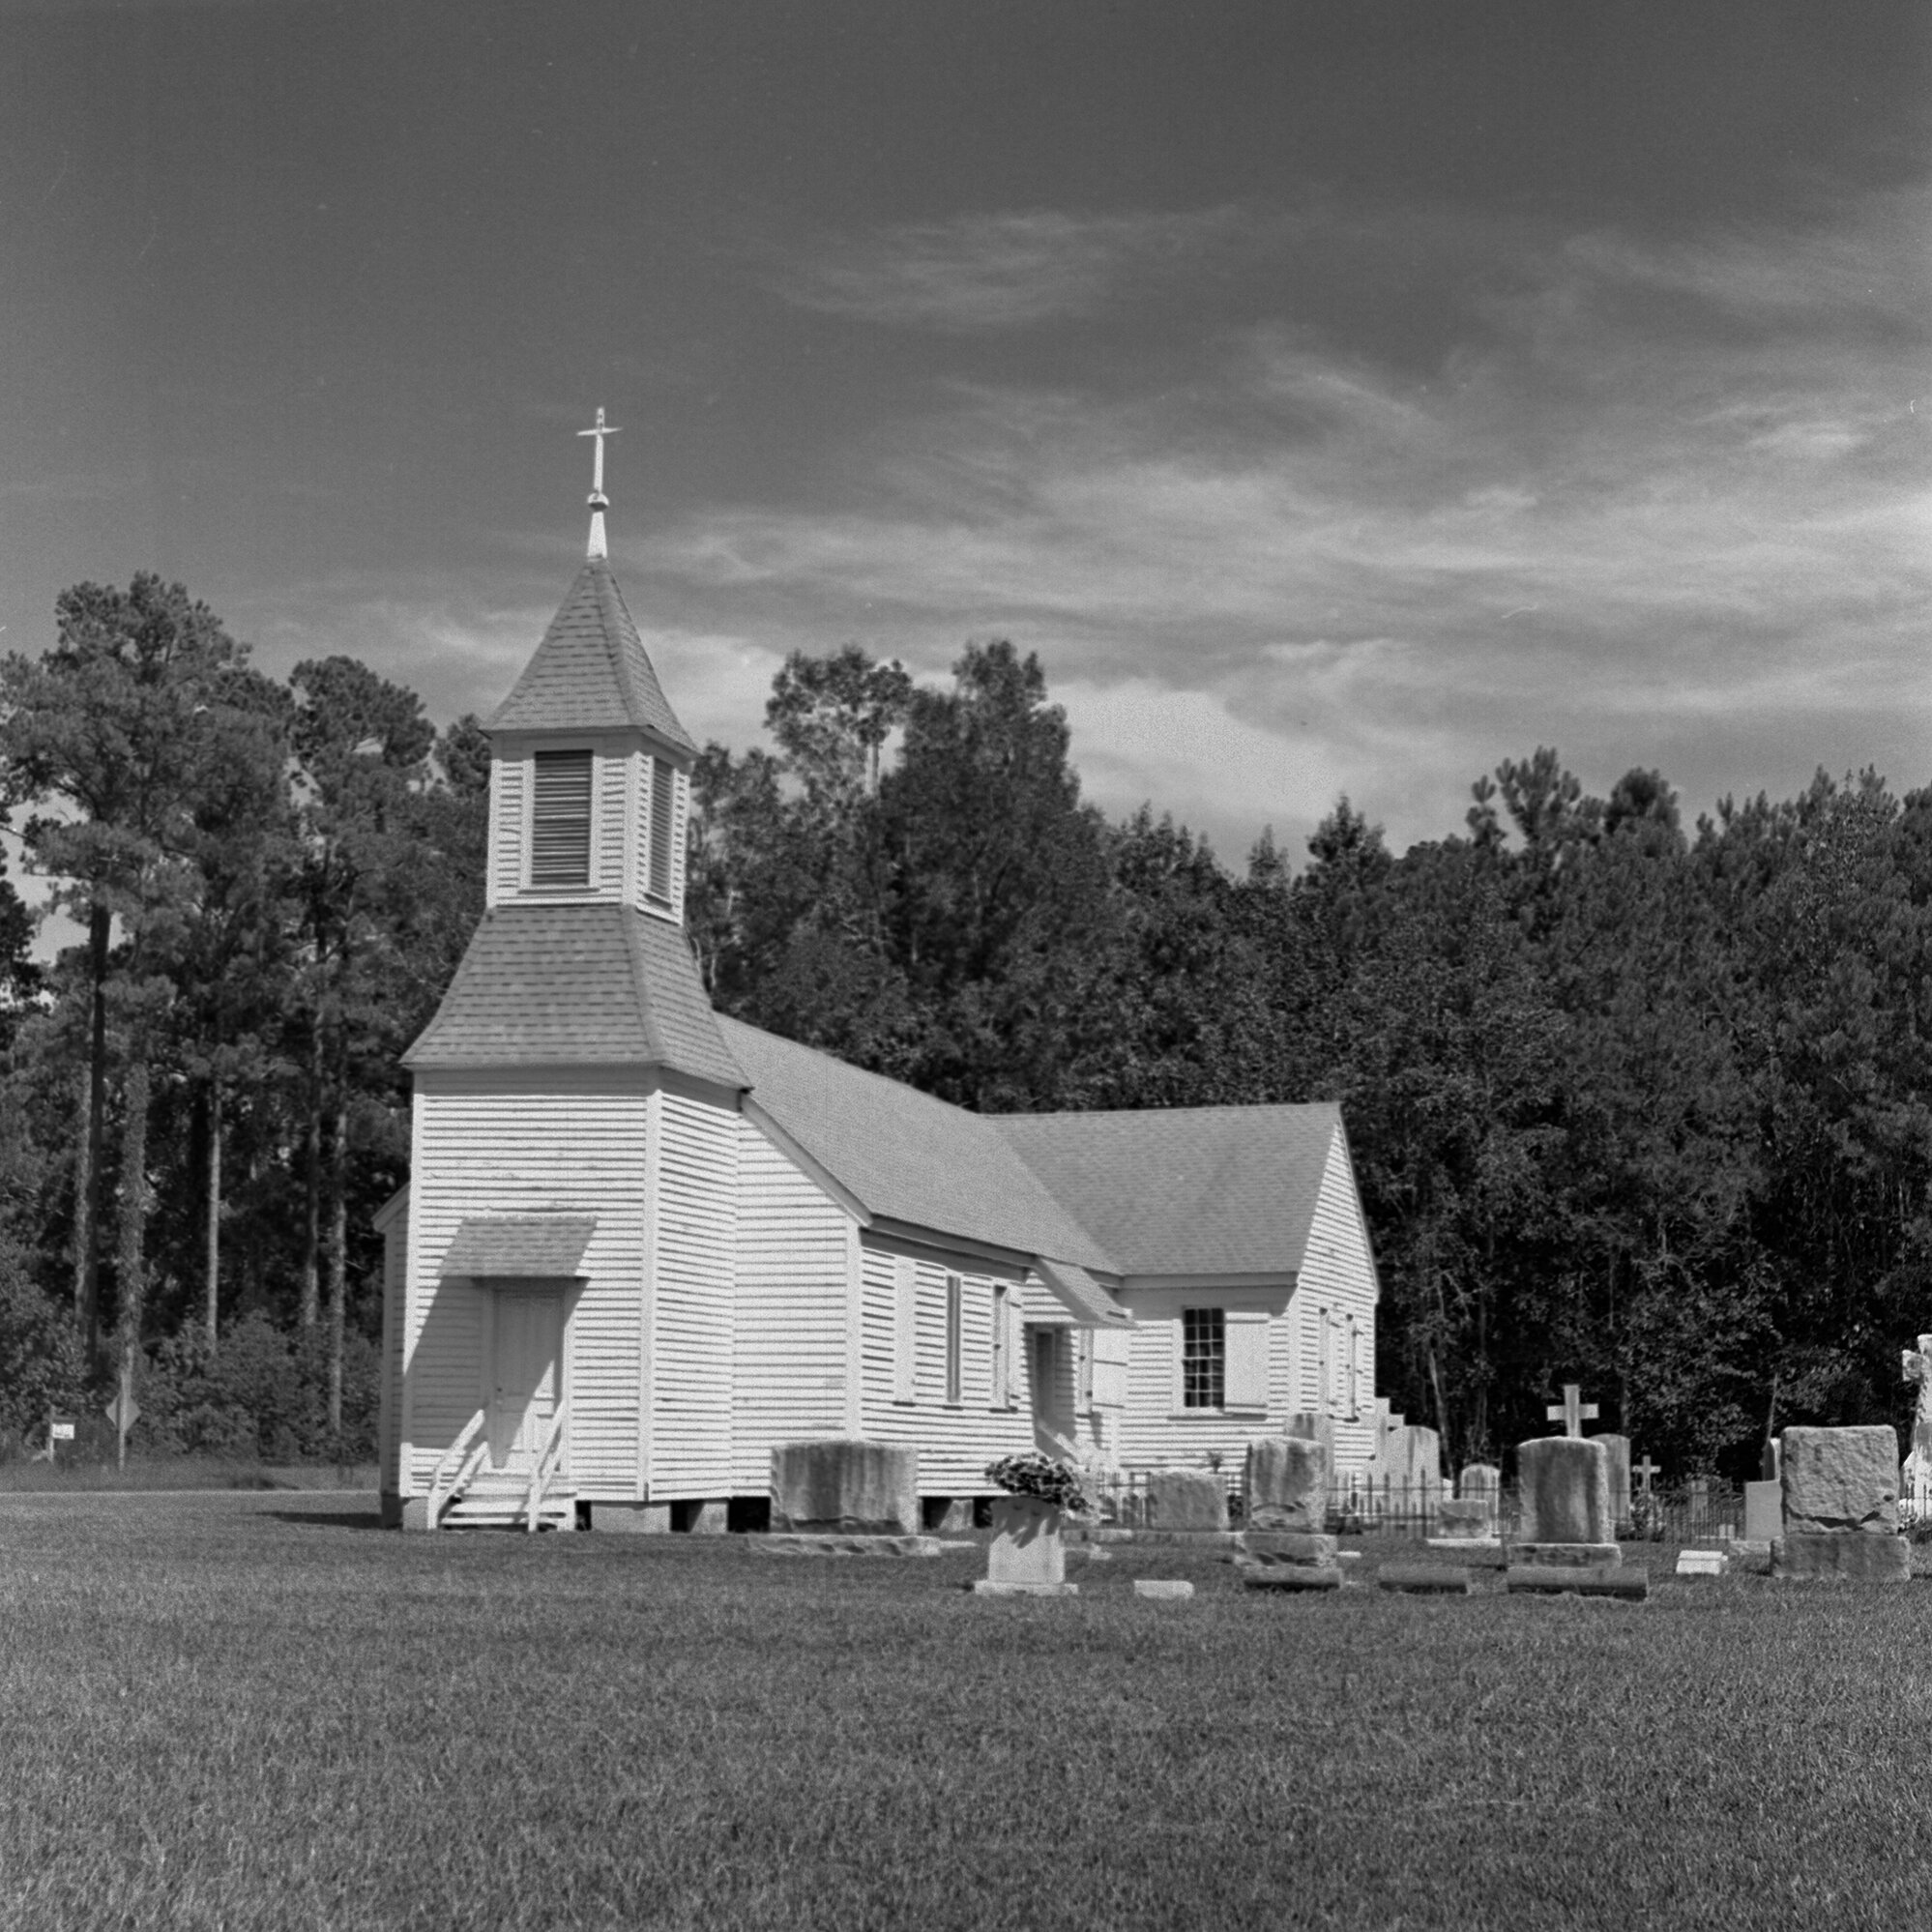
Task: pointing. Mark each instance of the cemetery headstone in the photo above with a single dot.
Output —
(1764, 1512)
(1186, 1499)
(1841, 1505)
(1312, 1425)
(1770, 1461)
(844, 1487)
(1027, 1554)
(1618, 1448)
(1285, 1485)
(1567, 1519)
(1915, 1476)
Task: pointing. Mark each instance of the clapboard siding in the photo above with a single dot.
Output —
(508, 778)
(1338, 1273)
(694, 1264)
(522, 1152)
(789, 1352)
(1156, 1430)
(955, 1442)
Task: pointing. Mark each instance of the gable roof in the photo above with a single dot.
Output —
(591, 672)
(1187, 1190)
(906, 1156)
(549, 986)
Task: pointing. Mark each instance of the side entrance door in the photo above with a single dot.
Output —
(1049, 1372)
(524, 1377)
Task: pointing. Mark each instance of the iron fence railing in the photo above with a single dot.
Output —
(1696, 1512)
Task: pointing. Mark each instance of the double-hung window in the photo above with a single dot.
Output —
(560, 819)
(1204, 1358)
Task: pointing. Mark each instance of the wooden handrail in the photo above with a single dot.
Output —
(545, 1469)
(459, 1463)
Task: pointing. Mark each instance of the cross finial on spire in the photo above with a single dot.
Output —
(598, 502)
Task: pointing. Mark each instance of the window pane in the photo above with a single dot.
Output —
(1204, 1358)
(559, 820)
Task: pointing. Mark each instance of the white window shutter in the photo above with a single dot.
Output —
(1002, 1357)
(905, 1329)
(1246, 1386)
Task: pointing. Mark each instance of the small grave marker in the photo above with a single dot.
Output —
(1644, 1472)
(1173, 1588)
(1700, 1563)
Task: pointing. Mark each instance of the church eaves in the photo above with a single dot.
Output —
(592, 672)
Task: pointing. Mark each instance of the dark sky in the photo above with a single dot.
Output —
(1338, 397)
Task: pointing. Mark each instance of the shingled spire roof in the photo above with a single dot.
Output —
(591, 672)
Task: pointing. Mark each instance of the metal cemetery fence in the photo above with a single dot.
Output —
(1700, 1510)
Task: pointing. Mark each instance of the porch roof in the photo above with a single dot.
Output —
(1081, 1296)
(491, 1247)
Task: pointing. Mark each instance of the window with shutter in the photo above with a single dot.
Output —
(1003, 1346)
(1325, 1392)
(560, 819)
(1247, 1361)
(1083, 1370)
(1203, 1358)
(955, 1299)
(663, 804)
(905, 1329)
(1354, 1370)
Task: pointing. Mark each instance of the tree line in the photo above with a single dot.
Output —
(1633, 1103)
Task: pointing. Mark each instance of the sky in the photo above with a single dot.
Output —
(1339, 398)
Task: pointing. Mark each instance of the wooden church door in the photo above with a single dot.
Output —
(524, 1387)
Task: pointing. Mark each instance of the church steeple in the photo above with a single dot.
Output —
(590, 777)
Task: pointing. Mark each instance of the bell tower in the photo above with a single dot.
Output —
(590, 769)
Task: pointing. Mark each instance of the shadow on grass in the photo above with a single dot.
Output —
(330, 1519)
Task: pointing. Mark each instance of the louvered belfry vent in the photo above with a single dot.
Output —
(559, 820)
(663, 806)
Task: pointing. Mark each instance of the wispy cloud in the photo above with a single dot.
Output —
(1657, 502)
(995, 270)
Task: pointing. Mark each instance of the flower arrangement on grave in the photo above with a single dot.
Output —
(1040, 1475)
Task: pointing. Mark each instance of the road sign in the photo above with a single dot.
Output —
(114, 1412)
(61, 1432)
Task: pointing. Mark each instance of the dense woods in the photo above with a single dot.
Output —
(1634, 1102)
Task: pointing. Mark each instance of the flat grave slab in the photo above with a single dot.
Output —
(1292, 1577)
(985, 1587)
(1702, 1562)
(1550, 1580)
(1184, 1539)
(1170, 1588)
(1571, 1556)
(799, 1543)
(1425, 1579)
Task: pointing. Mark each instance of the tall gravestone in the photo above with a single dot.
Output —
(1841, 1505)
(847, 1486)
(1285, 1485)
(1472, 1514)
(1618, 1448)
(1563, 1495)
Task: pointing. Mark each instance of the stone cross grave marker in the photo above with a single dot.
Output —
(1572, 1412)
(1644, 1471)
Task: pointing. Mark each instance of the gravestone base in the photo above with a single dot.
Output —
(1860, 1557)
(1467, 1519)
(1555, 1580)
(985, 1587)
(1289, 1546)
(792, 1543)
(1752, 1559)
(1568, 1556)
(1173, 1589)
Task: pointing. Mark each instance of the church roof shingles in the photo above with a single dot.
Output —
(907, 1157)
(577, 985)
(592, 672)
(1187, 1190)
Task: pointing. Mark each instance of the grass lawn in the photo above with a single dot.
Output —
(259, 1710)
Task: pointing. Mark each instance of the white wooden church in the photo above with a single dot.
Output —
(643, 1242)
